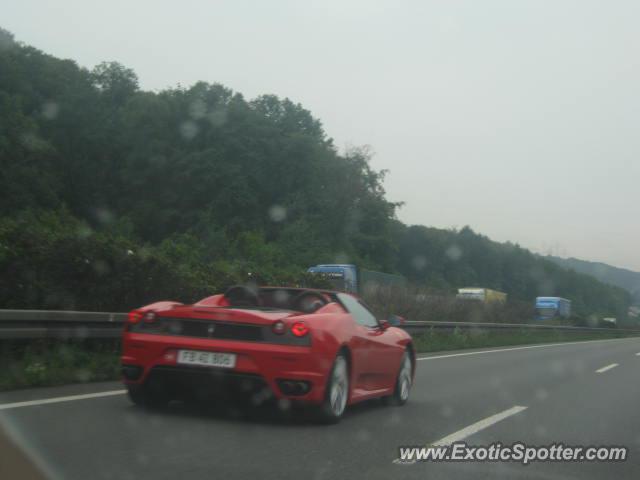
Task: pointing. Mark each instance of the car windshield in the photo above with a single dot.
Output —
(337, 239)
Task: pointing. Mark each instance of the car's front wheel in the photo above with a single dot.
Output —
(404, 382)
(336, 391)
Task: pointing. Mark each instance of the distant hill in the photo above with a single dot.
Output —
(621, 277)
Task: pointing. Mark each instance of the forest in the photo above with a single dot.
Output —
(112, 196)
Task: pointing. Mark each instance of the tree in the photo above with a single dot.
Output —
(6, 39)
(116, 82)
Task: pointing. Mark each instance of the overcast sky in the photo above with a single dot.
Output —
(518, 118)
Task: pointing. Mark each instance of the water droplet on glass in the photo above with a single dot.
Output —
(50, 110)
(419, 262)
(104, 215)
(197, 109)
(278, 213)
(446, 411)
(188, 130)
(542, 394)
(454, 252)
(217, 117)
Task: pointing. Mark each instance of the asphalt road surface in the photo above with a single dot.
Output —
(581, 394)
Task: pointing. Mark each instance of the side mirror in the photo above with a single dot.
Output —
(384, 325)
(395, 320)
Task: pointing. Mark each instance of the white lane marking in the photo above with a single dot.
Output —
(481, 425)
(511, 349)
(45, 401)
(608, 367)
(470, 430)
(638, 354)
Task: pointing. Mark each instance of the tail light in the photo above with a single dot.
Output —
(134, 317)
(299, 329)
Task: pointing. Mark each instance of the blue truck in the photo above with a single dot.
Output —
(350, 278)
(552, 307)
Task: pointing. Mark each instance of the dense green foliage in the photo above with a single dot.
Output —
(111, 196)
(31, 363)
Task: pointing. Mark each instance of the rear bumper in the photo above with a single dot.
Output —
(148, 358)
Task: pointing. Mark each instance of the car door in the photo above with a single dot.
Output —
(373, 353)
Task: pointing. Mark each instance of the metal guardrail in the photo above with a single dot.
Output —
(32, 324)
(421, 327)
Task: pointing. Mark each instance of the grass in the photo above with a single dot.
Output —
(436, 340)
(54, 362)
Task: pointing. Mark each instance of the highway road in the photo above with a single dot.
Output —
(585, 393)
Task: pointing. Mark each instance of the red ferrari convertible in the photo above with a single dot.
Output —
(315, 347)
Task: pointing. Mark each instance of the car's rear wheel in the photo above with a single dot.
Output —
(145, 397)
(404, 382)
(336, 391)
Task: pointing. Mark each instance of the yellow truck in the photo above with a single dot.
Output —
(485, 295)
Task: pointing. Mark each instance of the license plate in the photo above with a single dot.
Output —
(206, 359)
